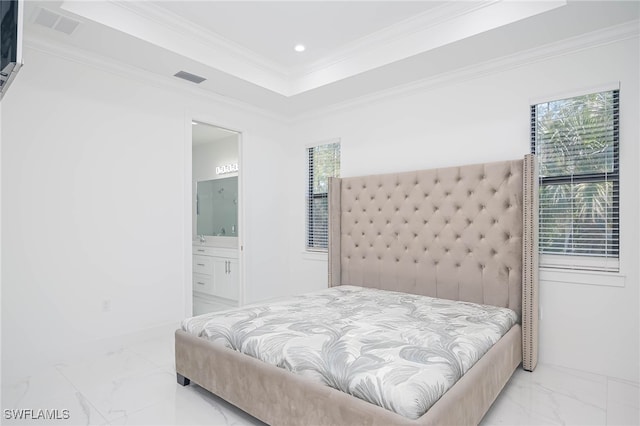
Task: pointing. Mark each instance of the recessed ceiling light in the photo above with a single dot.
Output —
(194, 122)
(299, 48)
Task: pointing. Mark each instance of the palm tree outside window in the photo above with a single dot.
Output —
(323, 162)
(576, 141)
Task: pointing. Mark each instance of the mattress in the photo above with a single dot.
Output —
(396, 350)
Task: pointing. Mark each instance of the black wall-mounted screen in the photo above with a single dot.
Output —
(10, 42)
(9, 32)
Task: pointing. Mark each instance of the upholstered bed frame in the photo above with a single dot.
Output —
(465, 233)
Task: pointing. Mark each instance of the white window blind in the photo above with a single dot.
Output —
(324, 162)
(576, 141)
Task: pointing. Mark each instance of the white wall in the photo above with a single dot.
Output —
(205, 158)
(96, 204)
(486, 118)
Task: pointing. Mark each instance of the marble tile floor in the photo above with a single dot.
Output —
(136, 385)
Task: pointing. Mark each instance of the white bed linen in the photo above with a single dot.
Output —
(397, 350)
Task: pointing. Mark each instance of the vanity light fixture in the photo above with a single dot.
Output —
(299, 48)
(228, 168)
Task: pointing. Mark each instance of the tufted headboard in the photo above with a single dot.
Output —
(455, 233)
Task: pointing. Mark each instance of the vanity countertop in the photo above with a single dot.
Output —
(218, 242)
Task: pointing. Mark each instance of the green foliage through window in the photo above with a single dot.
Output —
(324, 162)
(577, 144)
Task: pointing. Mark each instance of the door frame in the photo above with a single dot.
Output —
(188, 214)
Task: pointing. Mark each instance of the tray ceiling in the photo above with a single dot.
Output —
(244, 50)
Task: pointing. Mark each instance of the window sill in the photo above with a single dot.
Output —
(318, 256)
(605, 279)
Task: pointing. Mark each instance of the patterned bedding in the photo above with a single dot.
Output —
(396, 350)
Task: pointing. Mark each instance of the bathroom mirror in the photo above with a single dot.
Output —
(217, 207)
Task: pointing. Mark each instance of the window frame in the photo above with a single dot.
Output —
(311, 196)
(572, 262)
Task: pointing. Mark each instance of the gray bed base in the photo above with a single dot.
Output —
(499, 204)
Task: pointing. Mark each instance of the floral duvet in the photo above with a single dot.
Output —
(396, 350)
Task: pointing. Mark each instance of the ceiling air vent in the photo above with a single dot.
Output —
(55, 21)
(66, 25)
(189, 77)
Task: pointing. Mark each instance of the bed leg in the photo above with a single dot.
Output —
(183, 380)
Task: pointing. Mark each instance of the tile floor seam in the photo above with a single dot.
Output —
(86, 398)
(571, 396)
(103, 415)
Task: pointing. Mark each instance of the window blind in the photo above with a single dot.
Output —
(576, 141)
(323, 162)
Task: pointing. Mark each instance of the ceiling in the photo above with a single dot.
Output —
(245, 52)
(271, 29)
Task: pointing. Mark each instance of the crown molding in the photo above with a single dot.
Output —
(434, 28)
(177, 23)
(163, 29)
(450, 24)
(407, 27)
(590, 40)
(614, 34)
(83, 57)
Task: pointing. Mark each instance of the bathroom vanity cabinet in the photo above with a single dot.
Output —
(215, 279)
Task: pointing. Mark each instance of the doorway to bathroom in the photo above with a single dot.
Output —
(216, 230)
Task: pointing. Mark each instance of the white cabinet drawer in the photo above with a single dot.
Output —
(215, 251)
(201, 250)
(202, 264)
(203, 283)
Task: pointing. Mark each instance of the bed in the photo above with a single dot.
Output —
(466, 234)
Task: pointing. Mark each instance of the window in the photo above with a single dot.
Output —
(576, 141)
(324, 162)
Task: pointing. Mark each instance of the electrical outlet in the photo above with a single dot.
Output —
(106, 305)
